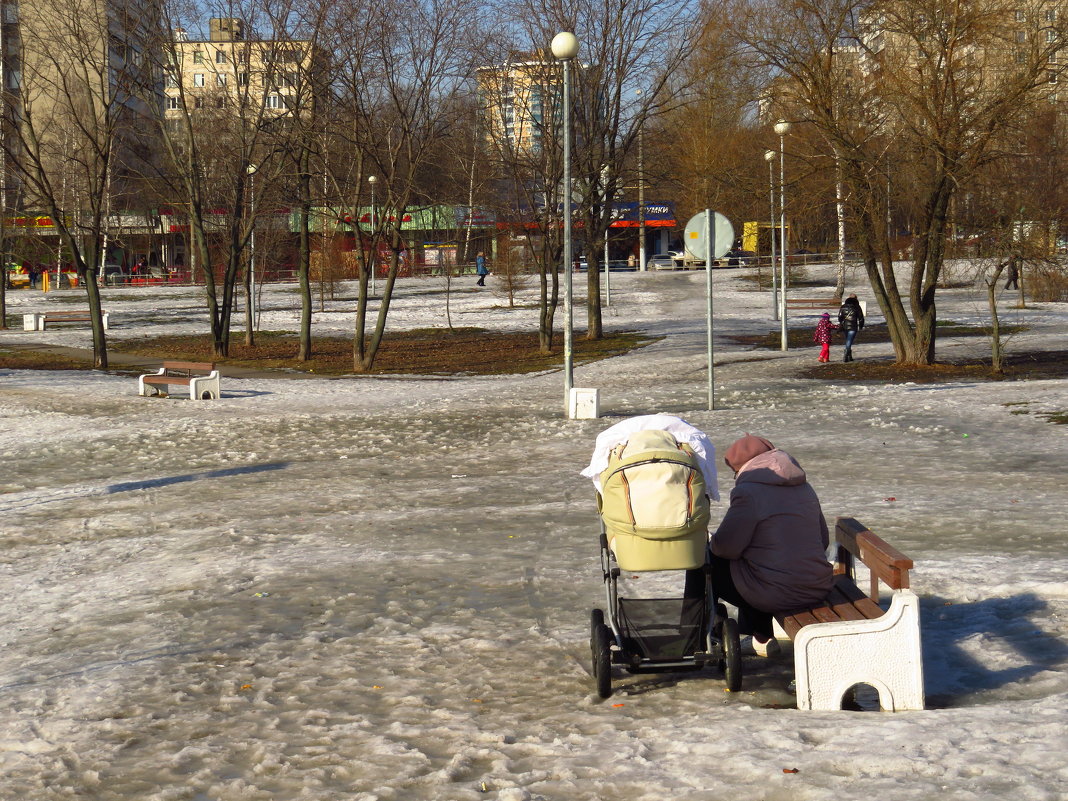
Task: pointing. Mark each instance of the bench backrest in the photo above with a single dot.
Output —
(189, 367)
(64, 314)
(884, 562)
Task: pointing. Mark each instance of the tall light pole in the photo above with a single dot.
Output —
(565, 47)
(373, 260)
(641, 186)
(769, 157)
(252, 246)
(781, 127)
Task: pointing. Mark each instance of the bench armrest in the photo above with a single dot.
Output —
(885, 563)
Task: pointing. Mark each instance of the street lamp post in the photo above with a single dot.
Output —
(373, 260)
(641, 187)
(781, 128)
(565, 46)
(252, 247)
(769, 157)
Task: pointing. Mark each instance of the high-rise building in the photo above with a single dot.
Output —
(230, 68)
(79, 75)
(517, 101)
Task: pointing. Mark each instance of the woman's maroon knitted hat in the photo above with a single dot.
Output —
(744, 449)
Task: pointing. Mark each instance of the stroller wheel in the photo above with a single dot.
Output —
(732, 655)
(600, 645)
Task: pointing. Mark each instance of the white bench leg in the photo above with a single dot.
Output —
(31, 322)
(205, 385)
(148, 389)
(830, 658)
(104, 316)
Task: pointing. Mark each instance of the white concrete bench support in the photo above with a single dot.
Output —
(831, 658)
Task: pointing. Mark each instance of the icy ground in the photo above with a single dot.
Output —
(379, 589)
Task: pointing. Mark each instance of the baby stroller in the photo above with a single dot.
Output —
(654, 517)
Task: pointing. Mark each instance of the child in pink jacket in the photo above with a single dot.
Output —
(823, 335)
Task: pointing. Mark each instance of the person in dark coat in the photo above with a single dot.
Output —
(769, 553)
(850, 320)
(1012, 273)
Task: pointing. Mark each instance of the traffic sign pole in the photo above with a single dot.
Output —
(709, 234)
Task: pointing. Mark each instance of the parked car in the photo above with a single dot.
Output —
(115, 273)
(662, 261)
(738, 258)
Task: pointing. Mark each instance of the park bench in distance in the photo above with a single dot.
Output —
(36, 321)
(848, 639)
(813, 303)
(201, 377)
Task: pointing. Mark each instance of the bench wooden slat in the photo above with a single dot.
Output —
(167, 379)
(814, 303)
(207, 367)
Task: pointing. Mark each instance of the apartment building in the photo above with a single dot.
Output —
(78, 73)
(269, 78)
(518, 100)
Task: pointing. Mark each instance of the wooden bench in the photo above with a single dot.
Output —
(849, 639)
(813, 303)
(36, 321)
(201, 377)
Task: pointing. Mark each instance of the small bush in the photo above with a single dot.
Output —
(1047, 283)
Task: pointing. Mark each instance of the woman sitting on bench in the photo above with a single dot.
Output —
(769, 551)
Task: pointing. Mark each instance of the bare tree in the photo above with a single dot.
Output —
(398, 72)
(75, 132)
(624, 47)
(911, 94)
(223, 131)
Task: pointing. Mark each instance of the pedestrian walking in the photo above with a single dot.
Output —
(1012, 273)
(481, 269)
(822, 335)
(850, 320)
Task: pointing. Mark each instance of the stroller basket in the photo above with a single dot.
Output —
(661, 629)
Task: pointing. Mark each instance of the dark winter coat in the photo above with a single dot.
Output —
(851, 316)
(776, 536)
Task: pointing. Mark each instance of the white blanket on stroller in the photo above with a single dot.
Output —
(676, 426)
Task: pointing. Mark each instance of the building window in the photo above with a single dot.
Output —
(220, 56)
(1051, 15)
(1051, 36)
(198, 79)
(220, 78)
(198, 57)
(170, 81)
(174, 103)
(242, 78)
(1021, 16)
(274, 101)
(1021, 36)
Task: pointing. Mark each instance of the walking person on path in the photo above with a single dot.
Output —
(1012, 275)
(822, 335)
(850, 320)
(481, 269)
